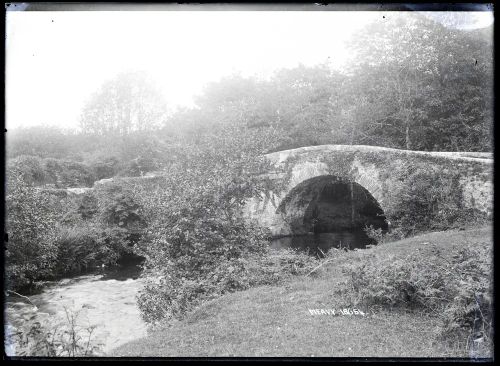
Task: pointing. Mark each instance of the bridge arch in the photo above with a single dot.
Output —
(328, 203)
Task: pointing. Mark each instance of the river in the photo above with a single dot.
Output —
(315, 244)
(107, 300)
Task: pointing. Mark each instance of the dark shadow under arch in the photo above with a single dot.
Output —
(330, 204)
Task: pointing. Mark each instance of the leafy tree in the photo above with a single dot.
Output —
(421, 85)
(128, 102)
(301, 102)
(198, 240)
(307, 103)
(31, 223)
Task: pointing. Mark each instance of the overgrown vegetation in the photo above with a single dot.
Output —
(44, 338)
(456, 288)
(199, 243)
(428, 199)
(52, 236)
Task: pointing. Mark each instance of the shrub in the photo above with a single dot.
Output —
(168, 294)
(470, 312)
(458, 291)
(66, 173)
(201, 260)
(427, 200)
(118, 207)
(31, 221)
(383, 236)
(100, 227)
(139, 166)
(198, 244)
(83, 248)
(105, 167)
(44, 338)
(29, 167)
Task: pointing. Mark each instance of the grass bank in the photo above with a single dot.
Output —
(276, 320)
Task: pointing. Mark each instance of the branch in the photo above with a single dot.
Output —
(24, 297)
(329, 260)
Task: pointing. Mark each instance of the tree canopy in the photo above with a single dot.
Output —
(128, 102)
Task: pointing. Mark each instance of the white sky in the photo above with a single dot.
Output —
(56, 60)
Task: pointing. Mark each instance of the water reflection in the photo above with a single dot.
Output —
(315, 244)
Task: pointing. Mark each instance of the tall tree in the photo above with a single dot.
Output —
(424, 88)
(128, 102)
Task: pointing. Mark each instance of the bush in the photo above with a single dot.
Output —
(471, 310)
(118, 207)
(383, 236)
(168, 294)
(200, 261)
(428, 200)
(83, 248)
(458, 291)
(44, 338)
(66, 173)
(100, 228)
(198, 244)
(31, 222)
(105, 167)
(29, 167)
(140, 166)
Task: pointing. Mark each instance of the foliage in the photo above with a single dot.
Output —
(458, 291)
(198, 239)
(99, 228)
(383, 236)
(426, 199)
(118, 207)
(420, 85)
(43, 141)
(86, 247)
(128, 102)
(30, 167)
(31, 221)
(60, 173)
(471, 309)
(50, 236)
(166, 295)
(66, 173)
(105, 167)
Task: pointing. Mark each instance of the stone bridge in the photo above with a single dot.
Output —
(332, 187)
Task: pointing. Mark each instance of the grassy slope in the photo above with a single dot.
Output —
(275, 321)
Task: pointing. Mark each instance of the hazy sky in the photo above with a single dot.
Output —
(56, 60)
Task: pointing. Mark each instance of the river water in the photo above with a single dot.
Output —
(107, 300)
(315, 244)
